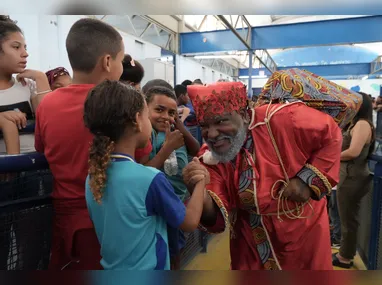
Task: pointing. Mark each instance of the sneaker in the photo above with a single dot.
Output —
(335, 243)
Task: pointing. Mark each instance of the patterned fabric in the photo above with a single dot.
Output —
(316, 92)
(247, 184)
(216, 99)
(54, 73)
(314, 181)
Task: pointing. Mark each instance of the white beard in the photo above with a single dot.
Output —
(236, 144)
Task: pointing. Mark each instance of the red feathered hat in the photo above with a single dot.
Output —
(218, 98)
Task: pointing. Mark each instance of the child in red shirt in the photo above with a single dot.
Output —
(96, 51)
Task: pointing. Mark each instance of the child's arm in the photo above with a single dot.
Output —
(194, 207)
(42, 85)
(185, 112)
(191, 143)
(161, 200)
(10, 135)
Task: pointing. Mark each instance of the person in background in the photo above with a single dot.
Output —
(197, 82)
(131, 204)
(182, 101)
(155, 83)
(133, 72)
(20, 95)
(58, 78)
(187, 82)
(355, 179)
(191, 121)
(378, 104)
(61, 135)
(335, 221)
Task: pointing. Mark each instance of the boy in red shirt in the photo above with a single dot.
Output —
(96, 51)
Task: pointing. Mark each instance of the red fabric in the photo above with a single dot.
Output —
(216, 99)
(142, 152)
(61, 135)
(74, 241)
(297, 244)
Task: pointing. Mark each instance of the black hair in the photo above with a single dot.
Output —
(156, 83)
(187, 82)
(132, 73)
(365, 112)
(88, 40)
(109, 108)
(159, 90)
(180, 90)
(7, 26)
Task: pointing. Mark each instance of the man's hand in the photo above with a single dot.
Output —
(195, 172)
(297, 191)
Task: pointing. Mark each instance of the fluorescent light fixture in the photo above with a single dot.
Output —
(216, 56)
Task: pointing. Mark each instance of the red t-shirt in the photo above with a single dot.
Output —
(60, 133)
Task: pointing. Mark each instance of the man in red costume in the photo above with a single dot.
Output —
(270, 168)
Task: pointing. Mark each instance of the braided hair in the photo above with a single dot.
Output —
(109, 109)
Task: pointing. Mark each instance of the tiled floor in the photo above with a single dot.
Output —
(217, 256)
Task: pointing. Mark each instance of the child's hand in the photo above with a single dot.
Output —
(195, 173)
(173, 140)
(17, 117)
(29, 74)
(179, 124)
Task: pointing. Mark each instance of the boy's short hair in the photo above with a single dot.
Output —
(159, 90)
(187, 82)
(156, 83)
(180, 90)
(88, 40)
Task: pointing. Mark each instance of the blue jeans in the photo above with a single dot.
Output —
(334, 216)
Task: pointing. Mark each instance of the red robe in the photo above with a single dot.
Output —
(260, 239)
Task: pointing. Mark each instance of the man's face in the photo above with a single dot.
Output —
(224, 135)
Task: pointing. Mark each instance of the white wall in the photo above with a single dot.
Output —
(46, 36)
(189, 69)
(370, 86)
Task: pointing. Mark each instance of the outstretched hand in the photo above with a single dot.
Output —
(297, 191)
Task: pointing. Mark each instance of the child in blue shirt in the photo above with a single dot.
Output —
(130, 204)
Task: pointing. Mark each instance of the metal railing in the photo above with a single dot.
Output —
(25, 212)
(26, 215)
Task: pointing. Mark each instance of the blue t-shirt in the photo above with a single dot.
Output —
(131, 220)
(191, 118)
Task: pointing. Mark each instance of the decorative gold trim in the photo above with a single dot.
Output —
(322, 177)
(223, 210)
